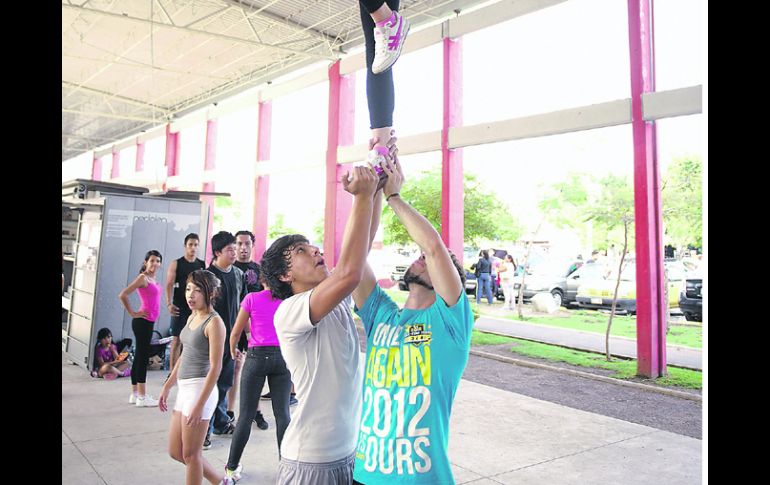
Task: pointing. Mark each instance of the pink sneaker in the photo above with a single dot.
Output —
(388, 41)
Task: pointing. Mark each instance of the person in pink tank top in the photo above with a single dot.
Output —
(149, 291)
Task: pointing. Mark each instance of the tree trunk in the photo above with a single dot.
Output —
(524, 273)
(617, 285)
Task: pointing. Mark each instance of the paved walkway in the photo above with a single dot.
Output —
(675, 355)
(497, 437)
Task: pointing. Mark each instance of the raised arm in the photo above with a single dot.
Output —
(170, 281)
(355, 246)
(443, 273)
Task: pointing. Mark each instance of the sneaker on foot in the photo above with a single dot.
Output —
(266, 396)
(376, 159)
(232, 476)
(227, 430)
(388, 41)
(292, 400)
(207, 442)
(260, 420)
(146, 401)
(132, 398)
(231, 415)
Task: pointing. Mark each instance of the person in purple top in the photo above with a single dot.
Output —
(106, 357)
(263, 361)
(149, 291)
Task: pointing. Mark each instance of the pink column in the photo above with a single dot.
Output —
(650, 286)
(452, 207)
(139, 165)
(338, 202)
(209, 199)
(96, 168)
(209, 163)
(262, 182)
(115, 172)
(172, 153)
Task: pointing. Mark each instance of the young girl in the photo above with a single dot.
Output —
(196, 371)
(263, 360)
(107, 364)
(149, 293)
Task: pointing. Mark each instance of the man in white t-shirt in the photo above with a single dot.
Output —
(319, 343)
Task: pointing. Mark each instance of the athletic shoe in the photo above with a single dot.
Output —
(228, 430)
(292, 400)
(207, 442)
(232, 476)
(265, 397)
(146, 402)
(260, 420)
(388, 41)
(132, 398)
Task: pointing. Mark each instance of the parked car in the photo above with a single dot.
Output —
(597, 292)
(690, 298)
(547, 278)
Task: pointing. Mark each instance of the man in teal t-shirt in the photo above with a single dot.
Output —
(414, 357)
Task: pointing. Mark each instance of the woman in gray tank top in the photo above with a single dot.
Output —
(196, 371)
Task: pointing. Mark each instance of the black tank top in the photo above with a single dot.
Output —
(183, 269)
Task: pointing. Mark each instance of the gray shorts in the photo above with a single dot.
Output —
(340, 472)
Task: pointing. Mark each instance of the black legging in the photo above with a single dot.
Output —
(380, 94)
(143, 332)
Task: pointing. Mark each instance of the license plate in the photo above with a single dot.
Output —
(596, 301)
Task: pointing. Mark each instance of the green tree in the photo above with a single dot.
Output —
(614, 209)
(486, 217)
(683, 202)
(279, 228)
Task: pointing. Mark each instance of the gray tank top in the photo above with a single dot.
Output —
(195, 350)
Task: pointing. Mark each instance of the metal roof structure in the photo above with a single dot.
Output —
(132, 65)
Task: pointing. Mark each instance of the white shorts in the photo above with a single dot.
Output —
(189, 393)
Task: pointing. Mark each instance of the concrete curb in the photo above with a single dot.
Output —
(588, 375)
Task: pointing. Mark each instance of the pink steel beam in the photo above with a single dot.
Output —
(115, 172)
(139, 165)
(210, 163)
(452, 220)
(650, 285)
(96, 168)
(262, 182)
(209, 199)
(338, 202)
(172, 153)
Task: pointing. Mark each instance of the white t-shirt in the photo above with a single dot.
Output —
(325, 365)
(508, 274)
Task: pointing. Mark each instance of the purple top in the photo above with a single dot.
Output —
(105, 354)
(150, 296)
(261, 308)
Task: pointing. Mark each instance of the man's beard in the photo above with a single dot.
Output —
(410, 277)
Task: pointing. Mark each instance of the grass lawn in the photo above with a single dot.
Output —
(624, 369)
(622, 325)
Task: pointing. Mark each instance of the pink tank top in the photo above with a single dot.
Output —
(150, 296)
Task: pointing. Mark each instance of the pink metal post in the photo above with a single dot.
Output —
(338, 202)
(115, 172)
(262, 182)
(139, 165)
(96, 168)
(172, 153)
(210, 163)
(650, 283)
(452, 220)
(208, 199)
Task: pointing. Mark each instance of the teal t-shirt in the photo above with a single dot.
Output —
(414, 361)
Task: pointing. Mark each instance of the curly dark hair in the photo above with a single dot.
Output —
(207, 282)
(275, 263)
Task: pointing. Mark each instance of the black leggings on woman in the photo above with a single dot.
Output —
(143, 332)
(380, 94)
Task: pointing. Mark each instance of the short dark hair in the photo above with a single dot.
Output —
(220, 240)
(192, 235)
(245, 233)
(207, 282)
(275, 263)
(103, 333)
